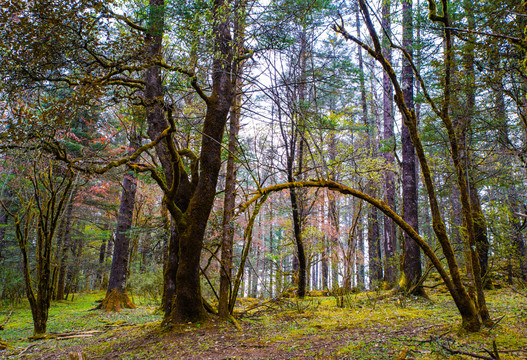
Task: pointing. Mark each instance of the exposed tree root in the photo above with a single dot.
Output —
(208, 307)
(77, 356)
(115, 301)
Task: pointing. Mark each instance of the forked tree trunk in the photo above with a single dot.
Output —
(51, 192)
(190, 200)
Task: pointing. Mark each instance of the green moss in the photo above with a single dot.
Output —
(367, 328)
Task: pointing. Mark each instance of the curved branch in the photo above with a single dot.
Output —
(379, 204)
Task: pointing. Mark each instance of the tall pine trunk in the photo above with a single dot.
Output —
(412, 253)
(64, 251)
(230, 180)
(116, 297)
(390, 240)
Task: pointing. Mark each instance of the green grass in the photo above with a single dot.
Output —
(314, 328)
(69, 316)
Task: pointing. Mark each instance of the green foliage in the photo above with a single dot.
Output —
(11, 281)
(147, 286)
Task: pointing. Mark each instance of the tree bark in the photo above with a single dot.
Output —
(65, 250)
(116, 297)
(297, 197)
(390, 240)
(513, 196)
(333, 214)
(3, 223)
(230, 180)
(189, 202)
(412, 254)
(100, 268)
(228, 208)
(170, 269)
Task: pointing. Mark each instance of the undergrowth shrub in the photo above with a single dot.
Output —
(12, 287)
(147, 286)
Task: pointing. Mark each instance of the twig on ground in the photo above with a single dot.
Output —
(26, 349)
(494, 355)
(466, 353)
(74, 336)
(2, 326)
(494, 323)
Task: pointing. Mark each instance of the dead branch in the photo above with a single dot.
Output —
(74, 336)
(494, 355)
(26, 349)
(2, 326)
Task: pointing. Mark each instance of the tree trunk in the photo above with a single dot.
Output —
(170, 269)
(374, 238)
(188, 303)
(297, 195)
(65, 251)
(412, 253)
(116, 297)
(271, 261)
(513, 196)
(230, 180)
(464, 303)
(360, 257)
(189, 198)
(100, 268)
(324, 265)
(3, 224)
(228, 208)
(390, 240)
(333, 215)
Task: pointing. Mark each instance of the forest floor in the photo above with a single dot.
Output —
(314, 328)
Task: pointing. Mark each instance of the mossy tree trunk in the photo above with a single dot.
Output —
(466, 307)
(189, 197)
(170, 269)
(51, 186)
(295, 145)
